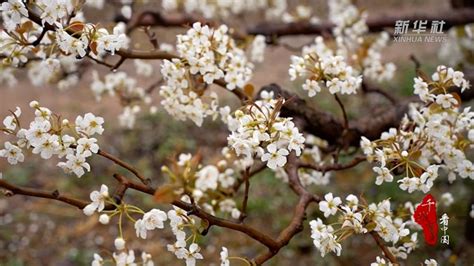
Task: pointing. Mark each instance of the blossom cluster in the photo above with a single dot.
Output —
(15, 46)
(349, 20)
(312, 155)
(300, 13)
(87, 36)
(458, 46)
(354, 54)
(435, 136)
(355, 44)
(319, 66)
(257, 49)
(357, 218)
(179, 220)
(125, 88)
(185, 247)
(259, 131)
(153, 219)
(123, 258)
(274, 9)
(213, 54)
(46, 136)
(207, 55)
(183, 95)
(62, 71)
(22, 41)
(372, 65)
(73, 38)
(437, 89)
(382, 262)
(202, 182)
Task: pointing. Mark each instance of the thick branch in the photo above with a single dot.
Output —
(324, 125)
(148, 55)
(152, 18)
(319, 123)
(12, 190)
(369, 88)
(452, 18)
(299, 215)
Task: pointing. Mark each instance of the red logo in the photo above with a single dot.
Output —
(425, 215)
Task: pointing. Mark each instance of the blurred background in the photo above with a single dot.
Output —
(41, 232)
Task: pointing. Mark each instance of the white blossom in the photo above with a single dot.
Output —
(329, 204)
(207, 178)
(98, 200)
(15, 9)
(13, 153)
(224, 257)
(275, 158)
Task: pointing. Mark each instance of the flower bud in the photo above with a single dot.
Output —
(104, 219)
(136, 109)
(235, 213)
(34, 104)
(119, 243)
(147, 99)
(222, 164)
(105, 194)
(65, 122)
(404, 153)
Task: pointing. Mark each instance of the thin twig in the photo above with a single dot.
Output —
(415, 61)
(341, 105)
(124, 165)
(370, 89)
(333, 167)
(153, 86)
(243, 214)
(211, 219)
(100, 62)
(119, 63)
(40, 37)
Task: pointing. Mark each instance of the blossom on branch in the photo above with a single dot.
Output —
(259, 131)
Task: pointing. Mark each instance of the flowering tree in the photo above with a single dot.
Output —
(416, 142)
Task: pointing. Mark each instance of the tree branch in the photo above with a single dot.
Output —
(212, 220)
(333, 167)
(12, 190)
(243, 214)
(452, 18)
(369, 88)
(382, 246)
(124, 165)
(296, 224)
